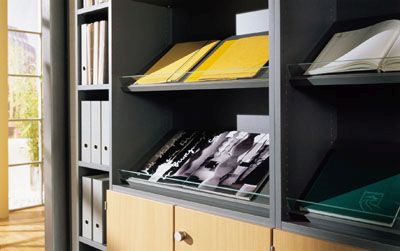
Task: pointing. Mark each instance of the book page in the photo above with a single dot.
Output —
(357, 50)
(392, 60)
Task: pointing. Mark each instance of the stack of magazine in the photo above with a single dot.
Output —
(230, 163)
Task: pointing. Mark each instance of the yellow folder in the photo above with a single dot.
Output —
(233, 59)
(177, 62)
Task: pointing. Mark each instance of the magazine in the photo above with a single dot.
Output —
(231, 163)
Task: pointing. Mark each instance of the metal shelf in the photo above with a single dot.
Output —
(93, 9)
(93, 87)
(93, 244)
(370, 78)
(94, 166)
(210, 85)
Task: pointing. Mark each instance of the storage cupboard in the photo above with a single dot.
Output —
(135, 223)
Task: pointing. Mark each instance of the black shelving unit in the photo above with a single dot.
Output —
(314, 112)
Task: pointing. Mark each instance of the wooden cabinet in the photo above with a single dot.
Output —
(285, 241)
(213, 233)
(137, 224)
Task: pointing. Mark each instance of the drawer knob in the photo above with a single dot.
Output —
(180, 235)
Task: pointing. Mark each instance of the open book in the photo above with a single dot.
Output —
(376, 47)
(231, 163)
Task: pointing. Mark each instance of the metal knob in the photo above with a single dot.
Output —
(180, 235)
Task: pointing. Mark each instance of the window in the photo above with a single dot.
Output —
(25, 104)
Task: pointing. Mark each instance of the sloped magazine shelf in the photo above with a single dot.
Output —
(259, 81)
(299, 75)
(228, 167)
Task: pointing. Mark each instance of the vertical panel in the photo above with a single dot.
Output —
(138, 224)
(285, 241)
(209, 232)
(55, 136)
(3, 111)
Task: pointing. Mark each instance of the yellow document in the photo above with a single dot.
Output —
(181, 58)
(233, 59)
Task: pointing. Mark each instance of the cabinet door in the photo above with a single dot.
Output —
(136, 224)
(285, 241)
(201, 231)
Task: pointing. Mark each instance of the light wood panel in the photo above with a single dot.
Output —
(285, 241)
(215, 233)
(3, 111)
(135, 224)
(23, 231)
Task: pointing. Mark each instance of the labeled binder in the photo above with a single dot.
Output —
(96, 131)
(99, 186)
(105, 132)
(87, 207)
(86, 131)
(96, 30)
(84, 71)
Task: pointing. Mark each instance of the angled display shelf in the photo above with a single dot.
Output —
(259, 81)
(298, 76)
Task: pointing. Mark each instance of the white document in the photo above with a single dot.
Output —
(89, 49)
(100, 186)
(252, 22)
(96, 35)
(96, 131)
(84, 54)
(105, 132)
(103, 53)
(87, 216)
(86, 131)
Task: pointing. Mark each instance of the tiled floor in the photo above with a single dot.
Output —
(24, 230)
